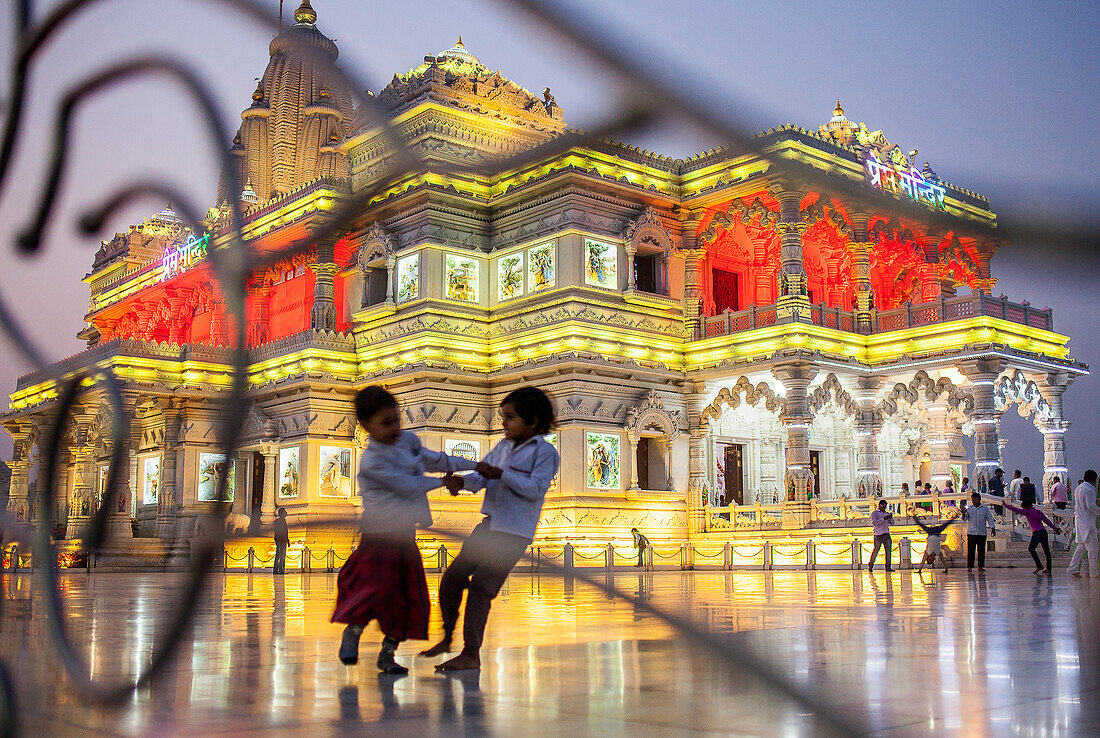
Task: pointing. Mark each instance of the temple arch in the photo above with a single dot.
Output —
(650, 419)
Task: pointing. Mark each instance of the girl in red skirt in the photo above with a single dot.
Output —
(383, 579)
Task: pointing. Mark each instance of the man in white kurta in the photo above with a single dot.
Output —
(1084, 521)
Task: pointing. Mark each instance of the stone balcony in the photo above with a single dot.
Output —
(942, 310)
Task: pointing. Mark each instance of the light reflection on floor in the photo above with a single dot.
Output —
(946, 655)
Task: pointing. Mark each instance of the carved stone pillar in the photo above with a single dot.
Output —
(82, 468)
(323, 315)
(259, 328)
(798, 481)
(19, 487)
(861, 257)
(167, 497)
(693, 290)
(793, 302)
(631, 251)
(391, 266)
(941, 431)
(633, 440)
(270, 452)
(868, 425)
(670, 483)
(987, 449)
(219, 325)
(1054, 432)
(697, 444)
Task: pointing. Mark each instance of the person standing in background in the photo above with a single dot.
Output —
(978, 519)
(997, 487)
(1027, 492)
(641, 543)
(282, 540)
(1014, 485)
(1059, 494)
(1084, 522)
(880, 526)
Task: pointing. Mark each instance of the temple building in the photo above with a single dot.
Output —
(711, 333)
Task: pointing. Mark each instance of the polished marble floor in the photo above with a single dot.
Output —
(1004, 653)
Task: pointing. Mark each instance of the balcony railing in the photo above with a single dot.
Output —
(908, 316)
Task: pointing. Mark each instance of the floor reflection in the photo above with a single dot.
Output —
(910, 654)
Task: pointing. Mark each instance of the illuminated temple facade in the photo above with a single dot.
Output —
(710, 333)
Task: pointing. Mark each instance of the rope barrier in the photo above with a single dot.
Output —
(697, 552)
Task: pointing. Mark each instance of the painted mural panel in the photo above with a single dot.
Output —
(408, 278)
(510, 277)
(150, 479)
(210, 467)
(552, 439)
(462, 278)
(335, 466)
(604, 460)
(601, 265)
(289, 472)
(540, 267)
(462, 448)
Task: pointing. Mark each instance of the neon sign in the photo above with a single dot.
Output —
(178, 259)
(910, 183)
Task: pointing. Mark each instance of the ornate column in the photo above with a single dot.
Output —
(987, 448)
(258, 330)
(633, 440)
(631, 250)
(82, 455)
(323, 315)
(167, 499)
(391, 266)
(868, 425)
(694, 401)
(693, 289)
(861, 256)
(793, 303)
(941, 432)
(1054, 432)
(270, 451)
(19, 488)
(930, 281)
(366, 271)
(798, 481)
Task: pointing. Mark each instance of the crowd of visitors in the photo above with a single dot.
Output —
(1021, 497)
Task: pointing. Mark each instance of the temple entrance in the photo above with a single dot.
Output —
(257, 497)
(726, 291)
(815, 469)
(733, 474)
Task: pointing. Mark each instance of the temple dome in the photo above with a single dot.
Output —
(458, 51)
(300, 114)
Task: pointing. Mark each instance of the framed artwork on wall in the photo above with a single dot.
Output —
(211, 467)
(289, 472)
(462, 280)
(604, 460)
(601, 264)
(408, 278)
(510, 276)
(150, 479)
(552, 439)
(463, 448)
(335, 467)
(540, 267)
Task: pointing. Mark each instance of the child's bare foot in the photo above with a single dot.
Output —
(438, 649)
(461, 662)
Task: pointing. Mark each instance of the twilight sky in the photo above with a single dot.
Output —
(999, 97)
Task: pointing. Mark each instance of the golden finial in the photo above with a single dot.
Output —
(460, 41)
(305, 13)
(258, 95)
(838, 111)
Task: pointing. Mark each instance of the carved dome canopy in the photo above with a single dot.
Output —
(459, 79)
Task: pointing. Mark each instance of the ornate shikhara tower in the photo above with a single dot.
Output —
(710, 332)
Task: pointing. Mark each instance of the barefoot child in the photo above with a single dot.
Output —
(933, 546)
(383, 579)
(515, 476)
